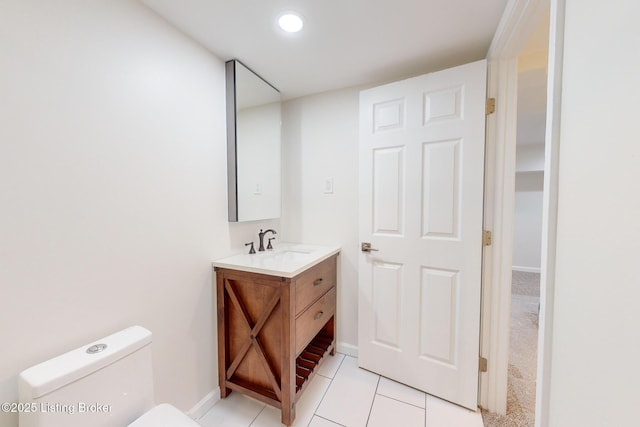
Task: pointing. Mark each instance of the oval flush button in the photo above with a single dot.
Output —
(97, 348)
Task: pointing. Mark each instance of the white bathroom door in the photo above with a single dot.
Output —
(421, 204)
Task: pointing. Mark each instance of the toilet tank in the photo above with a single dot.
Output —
(107, 383)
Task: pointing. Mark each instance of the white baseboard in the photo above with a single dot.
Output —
(348, 349)
(526, 269)
(204, 404)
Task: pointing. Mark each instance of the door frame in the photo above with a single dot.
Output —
(518, 21)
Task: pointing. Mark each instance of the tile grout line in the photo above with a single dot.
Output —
(325, 392)
(403, 401)
(331, 421)
(374, 400)
(425, 409)
(257, 415)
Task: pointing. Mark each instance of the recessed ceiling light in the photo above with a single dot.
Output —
(290, 22)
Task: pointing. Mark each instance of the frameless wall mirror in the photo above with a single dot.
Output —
(253, 145)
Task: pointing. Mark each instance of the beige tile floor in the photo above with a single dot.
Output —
(344, 395)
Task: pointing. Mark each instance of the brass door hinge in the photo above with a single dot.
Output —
(482, 364)
(490, 106)
(486, 238)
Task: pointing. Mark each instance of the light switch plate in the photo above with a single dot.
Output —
(328, 185)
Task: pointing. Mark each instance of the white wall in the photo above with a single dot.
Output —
(595, 371)
(530, 157)
(527, 215)
(527, 231)
(527, 220)
(112, 189)
(320, 140)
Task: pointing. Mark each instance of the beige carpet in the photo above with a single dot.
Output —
(521, 390)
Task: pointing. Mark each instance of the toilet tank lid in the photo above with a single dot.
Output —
(52, 374)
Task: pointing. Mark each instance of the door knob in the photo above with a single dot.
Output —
(366, 247)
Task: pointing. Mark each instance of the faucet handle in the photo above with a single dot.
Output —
(269, 245)
(252, 250)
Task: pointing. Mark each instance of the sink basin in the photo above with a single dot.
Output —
(287, 260)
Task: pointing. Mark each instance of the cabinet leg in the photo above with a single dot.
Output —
(224, 392)
(288, 415)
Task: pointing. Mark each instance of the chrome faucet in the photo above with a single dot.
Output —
(261, 236)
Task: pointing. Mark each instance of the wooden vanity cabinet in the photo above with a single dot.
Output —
(273, 332)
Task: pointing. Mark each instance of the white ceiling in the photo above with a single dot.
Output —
(344, 42)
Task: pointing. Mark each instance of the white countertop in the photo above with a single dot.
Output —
(286, 260)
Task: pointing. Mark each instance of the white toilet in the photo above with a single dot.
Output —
(108, 383)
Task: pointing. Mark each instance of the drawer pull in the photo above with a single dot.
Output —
(317, 282)
(318, 315)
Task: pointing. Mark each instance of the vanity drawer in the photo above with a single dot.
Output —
(314, 318)
(313, 283)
